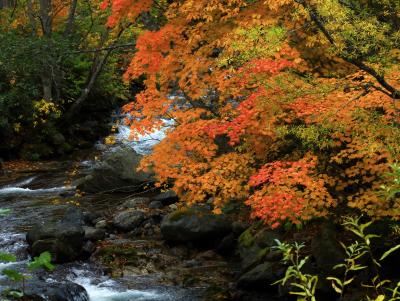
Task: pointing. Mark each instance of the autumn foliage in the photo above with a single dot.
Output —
(266, 109)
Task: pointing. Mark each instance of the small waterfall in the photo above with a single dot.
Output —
(144, 144)
(102, 288)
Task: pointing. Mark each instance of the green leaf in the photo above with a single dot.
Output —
(334, 279)
(357, 267)
(7, 257)
(43, 261)
(340, 265)
(13, 275)
(364, 226)
(4, 211)
(380, 298)
(15, 294)
(390, 251)
(348, 281)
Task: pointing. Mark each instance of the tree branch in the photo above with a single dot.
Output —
(395, 94)
(105, 48)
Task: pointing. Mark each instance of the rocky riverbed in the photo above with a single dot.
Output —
(136, 245)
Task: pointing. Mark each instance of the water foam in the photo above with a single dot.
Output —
(107, 291)
(17, 191)
(22, 183)
(143, 144)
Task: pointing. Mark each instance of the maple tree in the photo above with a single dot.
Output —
(290, 106)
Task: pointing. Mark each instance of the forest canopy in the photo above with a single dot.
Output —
(290, 107)
(287, 107)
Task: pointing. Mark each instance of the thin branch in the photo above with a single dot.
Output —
(105, 48)
(395, 94)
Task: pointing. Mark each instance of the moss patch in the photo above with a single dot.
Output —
(118, 255)
(246, 239)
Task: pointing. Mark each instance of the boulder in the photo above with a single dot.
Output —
(156, 205)
(167, 198)
(94, 234)
(116, 170)
(254, 244)
(64, 239)
(262, 276)
(90, 218)
(326, 248)
(101, 224)
(196, 225)
(129, 219)
(135, 202)
(64, 291)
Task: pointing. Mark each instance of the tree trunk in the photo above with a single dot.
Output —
(71, 18)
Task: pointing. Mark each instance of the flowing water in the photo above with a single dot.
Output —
(37, 196)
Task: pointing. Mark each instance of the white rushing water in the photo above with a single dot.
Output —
(21, 188)
(21, 183)
(106, 289)
(144, 143)
(16, 191)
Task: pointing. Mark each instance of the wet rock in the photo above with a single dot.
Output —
(196, 225)
(90, 218)
(227, 245)
(135, 202)
(156, 205)
(239, 227)
(101, 224)
(128, 219)
(116, 170)
(254, 244)
(94, 234)
(191, 263)
(64, 239)
(167, 198)
(89, 247)
(58, 139)
(326, 249)
(208, 255)
(173, 207)
(262, 276)
(65, 291)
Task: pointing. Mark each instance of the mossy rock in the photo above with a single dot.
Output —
(118, 255)
(246, 239)
(196, 224)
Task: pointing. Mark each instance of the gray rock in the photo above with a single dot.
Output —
(195, 225)
(101, 224)
(64, 291)
(58, 139)
(262, 276)
(167, 198)
(133, 203)
(94, 234)
(191, 263)
(254, 243)
(326, 249)
(156, 205)
(117, 169)
(239, 227)
(90, 218)
(128, 219)
(173, 207)
(64, 239)
(89, 247)
(227, 245)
